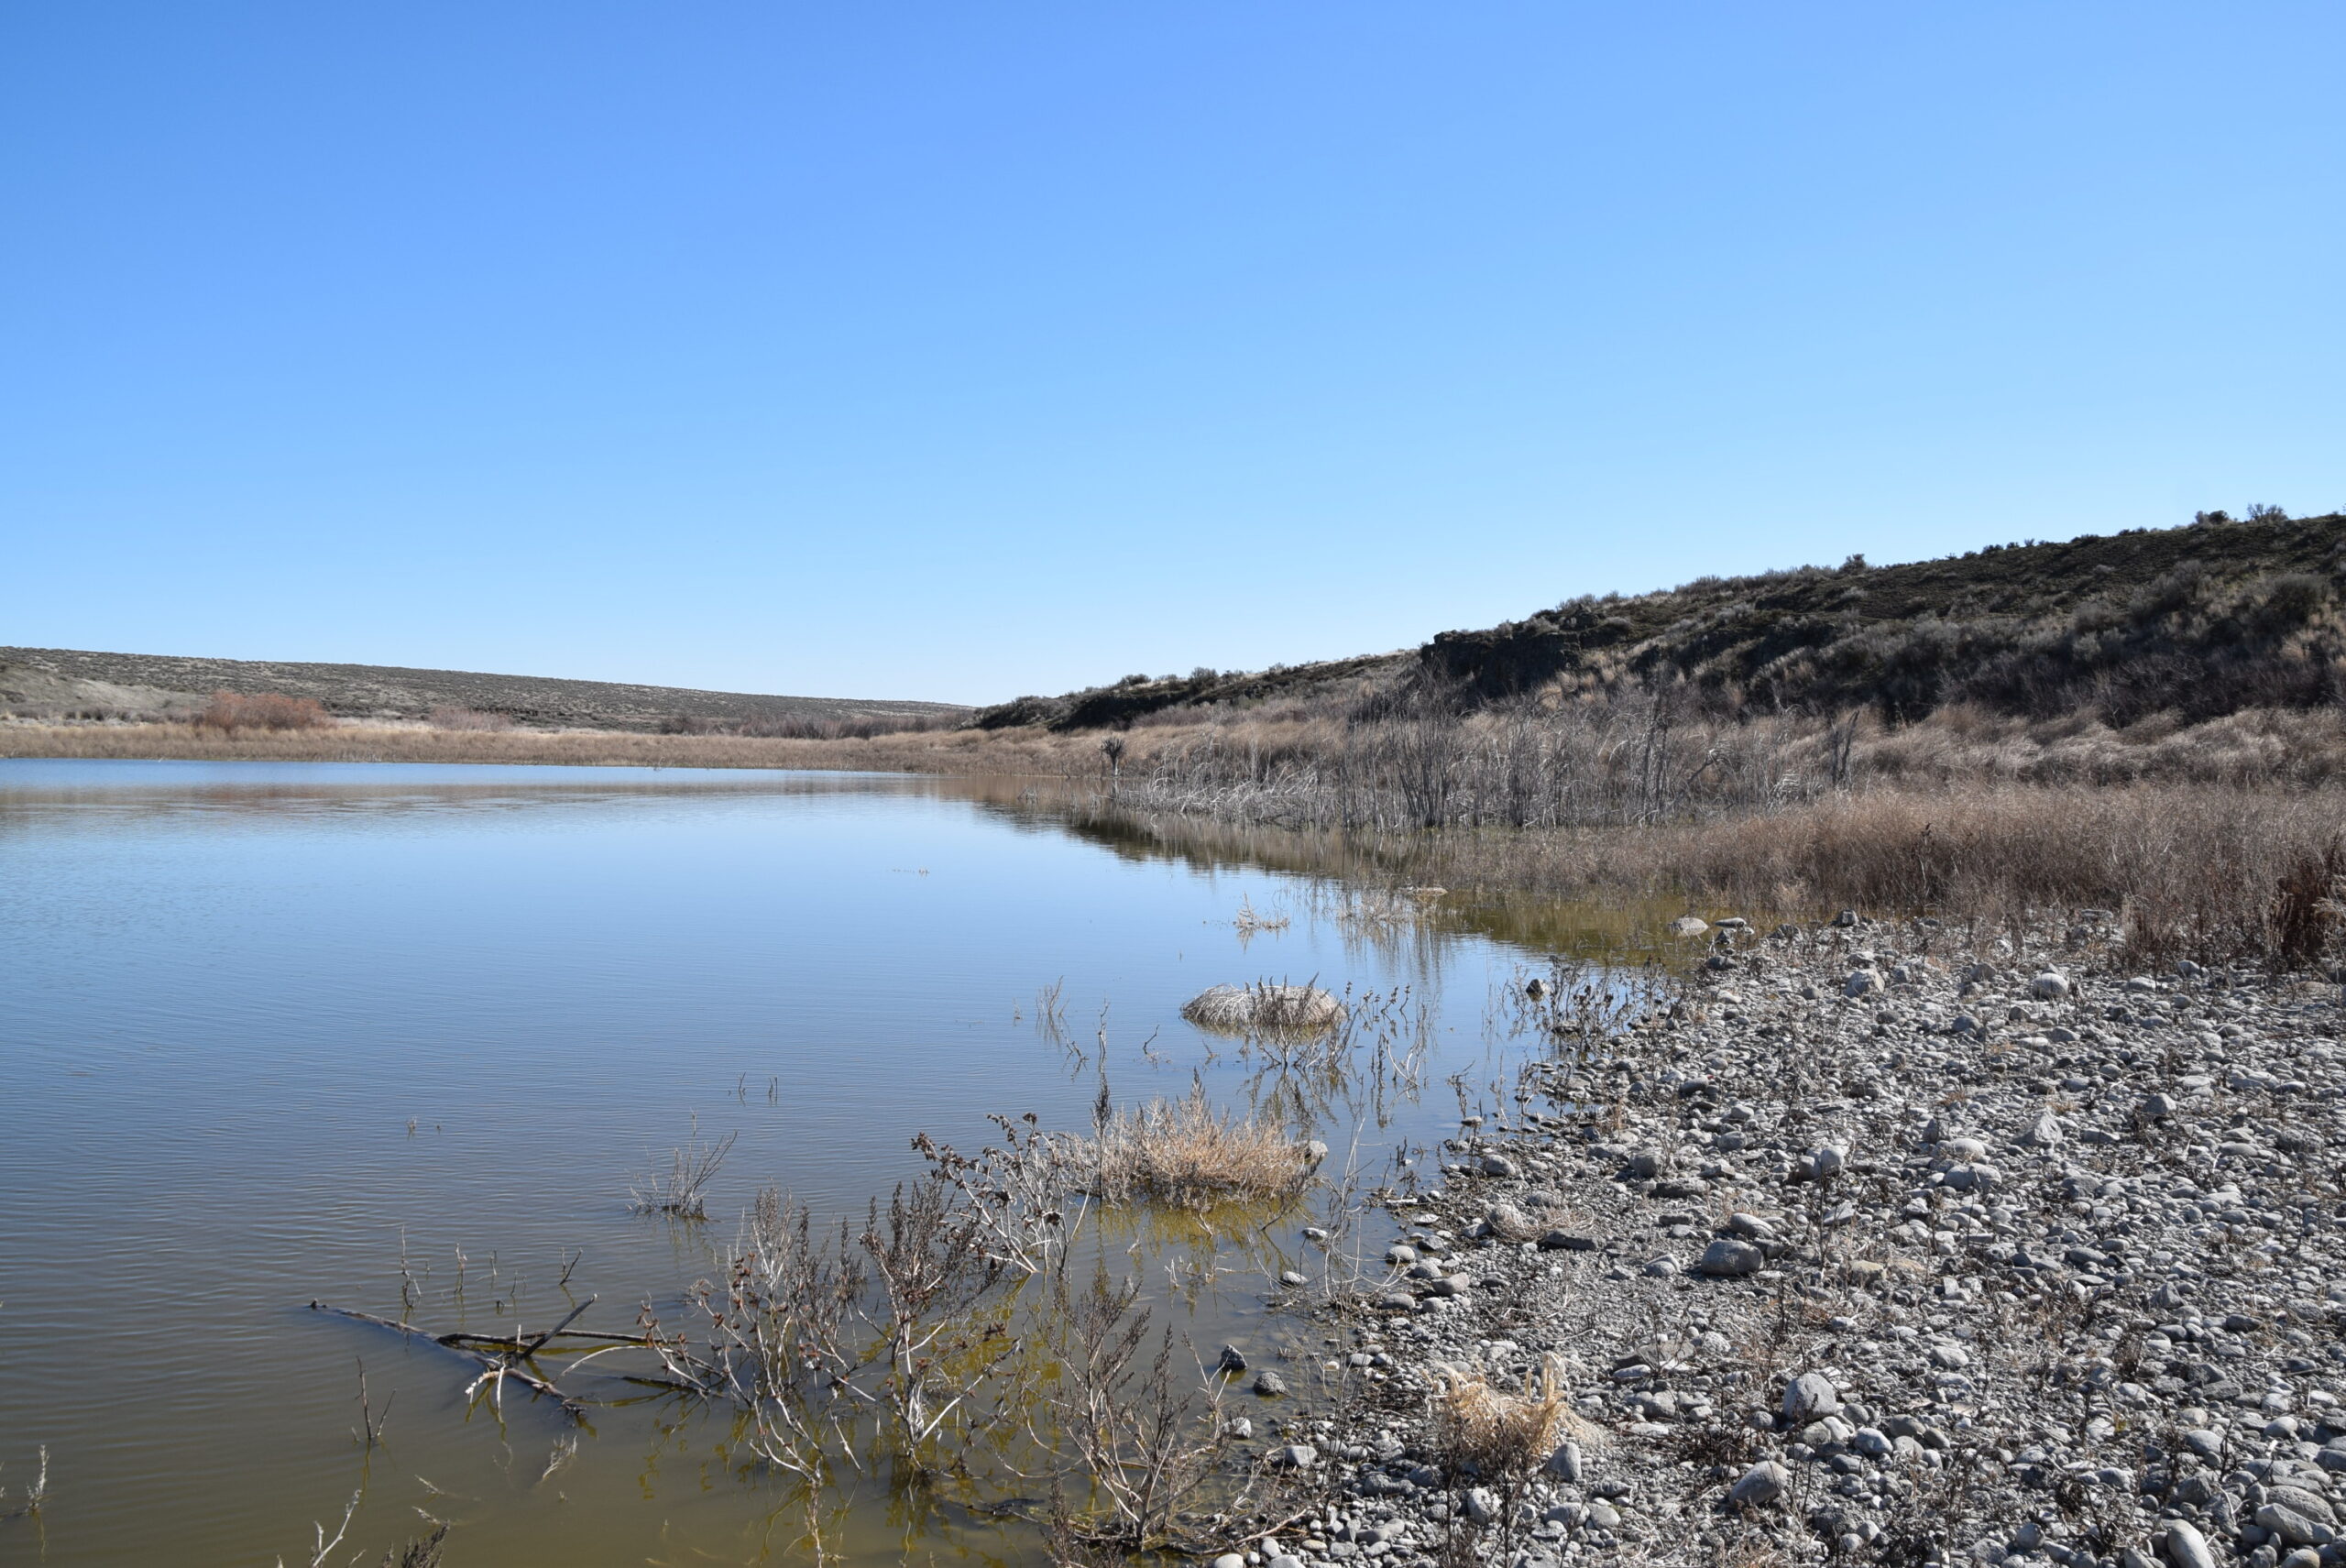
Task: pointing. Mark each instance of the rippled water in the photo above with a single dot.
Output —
(267, 1026)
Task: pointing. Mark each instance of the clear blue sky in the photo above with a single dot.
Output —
(958, 350)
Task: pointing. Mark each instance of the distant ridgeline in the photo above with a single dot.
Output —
(53, 682)
(2200, 621)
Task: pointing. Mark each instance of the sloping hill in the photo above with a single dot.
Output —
(52, 683)
(2200, 621)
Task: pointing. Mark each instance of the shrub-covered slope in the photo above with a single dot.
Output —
(2200, 621)
(53, 682)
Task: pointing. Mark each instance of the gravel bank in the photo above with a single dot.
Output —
(1874, 1251)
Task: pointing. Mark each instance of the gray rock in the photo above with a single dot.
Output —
(2286, 1518)
(1231, 1560)
(1566, 1240)
(2043, 1133)
(1297, 1456)
(1688, 926)
(1645, 1163)
(1564, 1464)
(2311, 1504)
(2050, 986)
(1809, 1396)
(1482, 1504)
(1232, 1359)
(1861, 983)
(1269, 1384)
(1291, 1279)
(1729, 1258)
(1759, 1486)
(2186, 1547)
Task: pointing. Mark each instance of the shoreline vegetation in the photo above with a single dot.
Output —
(2220, 841)
(2151, 723)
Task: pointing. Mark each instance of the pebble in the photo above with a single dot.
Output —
(1728, 1258)
(2086, 1251)
(1760, 1484)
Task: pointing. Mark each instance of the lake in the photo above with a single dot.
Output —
(272, 1028)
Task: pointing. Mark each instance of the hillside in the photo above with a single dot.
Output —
(55, 683)
(2202, 621)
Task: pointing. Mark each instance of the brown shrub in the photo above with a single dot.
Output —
(268, 710)
(1184, 1152)
(1497, 1432)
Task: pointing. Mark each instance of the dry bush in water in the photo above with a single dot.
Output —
(683, 1193)
(1146, 1450)
(1244, 1009)
(1184, 1152)
(232, 712)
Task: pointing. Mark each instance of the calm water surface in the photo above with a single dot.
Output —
(267, 1026)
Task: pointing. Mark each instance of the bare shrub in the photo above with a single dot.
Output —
(830, 727)
(231, 711)
(2305, 907)
(1143, 1448)
(423, 1551)
(682, 1192)
(1185, 1153)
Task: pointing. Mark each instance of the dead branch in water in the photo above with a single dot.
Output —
(499, 1359)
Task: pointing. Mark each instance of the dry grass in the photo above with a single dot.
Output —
(1265, 1008)
(469, 718)
(2208, 871)
(1185, 1153)
(1495, 1430)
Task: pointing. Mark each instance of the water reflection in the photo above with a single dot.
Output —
(398, 1038)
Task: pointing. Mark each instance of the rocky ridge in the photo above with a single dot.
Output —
(1872, 1250)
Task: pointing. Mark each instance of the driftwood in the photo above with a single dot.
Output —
(499, 1359)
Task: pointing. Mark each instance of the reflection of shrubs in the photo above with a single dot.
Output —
(230, 711)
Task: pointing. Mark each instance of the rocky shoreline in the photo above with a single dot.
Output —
(1875, 1250)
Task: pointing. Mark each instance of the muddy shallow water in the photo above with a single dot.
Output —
(269, 1028)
